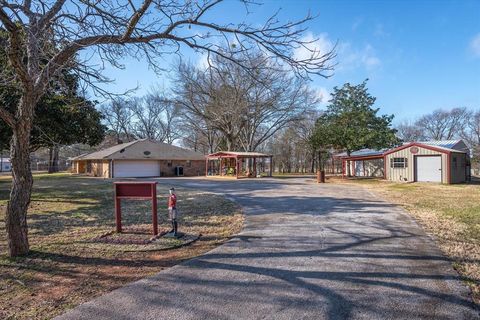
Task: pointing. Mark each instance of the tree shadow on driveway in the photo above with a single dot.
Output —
(306, 252)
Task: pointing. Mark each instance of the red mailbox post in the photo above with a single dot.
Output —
(146, 190)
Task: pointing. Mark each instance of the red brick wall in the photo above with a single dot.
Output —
(195, 168)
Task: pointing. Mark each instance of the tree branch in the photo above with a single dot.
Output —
(7, 117)
(15, 53)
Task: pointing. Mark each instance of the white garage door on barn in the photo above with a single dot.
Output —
(428, 168)
(135, 168)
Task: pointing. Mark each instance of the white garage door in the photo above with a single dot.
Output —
(429, 169)
(135, 169)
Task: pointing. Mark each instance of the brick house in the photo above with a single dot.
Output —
(140, 158)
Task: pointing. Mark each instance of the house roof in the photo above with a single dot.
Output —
(77, 157)
(143, 149)
(238, 154)
(105, 153)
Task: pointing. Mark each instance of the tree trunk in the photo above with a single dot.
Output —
(16, 214)
(312, 164)
(53, 161)
(22, 180)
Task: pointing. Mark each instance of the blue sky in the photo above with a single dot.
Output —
(418, 55)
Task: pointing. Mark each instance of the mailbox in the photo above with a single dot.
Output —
(135, 190)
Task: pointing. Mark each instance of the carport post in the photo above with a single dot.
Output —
(154, 209)
(118, 214)
(271, 166)
(237, 166)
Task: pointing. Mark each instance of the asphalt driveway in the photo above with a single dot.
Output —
(307, 251)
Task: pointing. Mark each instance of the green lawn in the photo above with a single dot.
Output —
(67, 266)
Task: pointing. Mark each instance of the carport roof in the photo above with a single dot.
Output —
(362, 153)
(238, 154)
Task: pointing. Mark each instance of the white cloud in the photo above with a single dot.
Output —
(356, 23)
(368, 57)
(352, 58)
(323, 95)
(379, 31)
(204, 61)
(475, 45)
(316, 45)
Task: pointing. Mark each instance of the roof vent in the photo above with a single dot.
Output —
(147, 153)
(122, 151)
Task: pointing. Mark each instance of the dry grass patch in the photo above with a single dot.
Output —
(451, 213)
(65, 268)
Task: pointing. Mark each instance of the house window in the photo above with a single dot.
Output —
(398, 163)
(189, 163)
(169, 163)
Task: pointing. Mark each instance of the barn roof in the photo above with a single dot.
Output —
(363, 153)
(441, 145)
(428, 145)
(449, 144)
(143, 149)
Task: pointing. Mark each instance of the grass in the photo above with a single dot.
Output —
(451, 213)
(279, 175)
(66, 268)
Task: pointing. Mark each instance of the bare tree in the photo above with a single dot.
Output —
(198, 134)
(471, 135)
(169, 120)
(113, 29)
(118, 117)
(248, 106)
(471, 132)
(408, 131)
(205, 96)
(443, 125)
(291, 145)
(151, 117)
(147, 122)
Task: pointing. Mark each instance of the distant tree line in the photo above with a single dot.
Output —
(153, 116)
